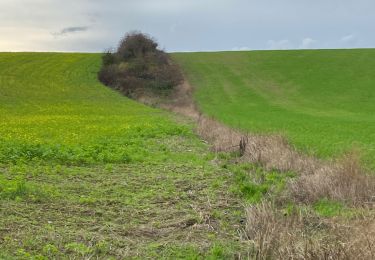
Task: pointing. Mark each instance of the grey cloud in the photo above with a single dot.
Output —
(72, 29)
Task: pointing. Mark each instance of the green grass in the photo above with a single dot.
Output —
(88, 173)
(328, 208)
(254, 184)
(323, 101)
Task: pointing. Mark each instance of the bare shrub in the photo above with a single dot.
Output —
(108, 75)
(108, 58)
(303, 235)
(133, 84)
(138, 64)
(166, 76)
(136, 45)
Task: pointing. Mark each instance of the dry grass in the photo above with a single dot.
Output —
(346, 181)
(270, 151)
(342, 180)
(306, 236)
(181, 102)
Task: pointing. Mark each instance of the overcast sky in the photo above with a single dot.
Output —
(187, 25)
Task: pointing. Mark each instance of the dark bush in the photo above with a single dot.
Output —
(108, 75)
(136, 45)
(108, 58)
(138, 64)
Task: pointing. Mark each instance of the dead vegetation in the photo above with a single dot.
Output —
(303, 235)
(343, 180)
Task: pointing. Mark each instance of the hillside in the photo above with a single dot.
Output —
(323, 101)
(86, 172)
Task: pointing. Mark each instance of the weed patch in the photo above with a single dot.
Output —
(255, 184)
(19, 189)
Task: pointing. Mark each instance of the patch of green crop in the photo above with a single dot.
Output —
(321, 100)
(19, 189)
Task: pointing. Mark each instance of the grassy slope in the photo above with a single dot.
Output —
(86, 172)
(322, 100)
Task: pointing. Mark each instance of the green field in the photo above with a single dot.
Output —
(86, 172)
(323, 101)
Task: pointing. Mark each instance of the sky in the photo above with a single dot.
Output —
(187, 25)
